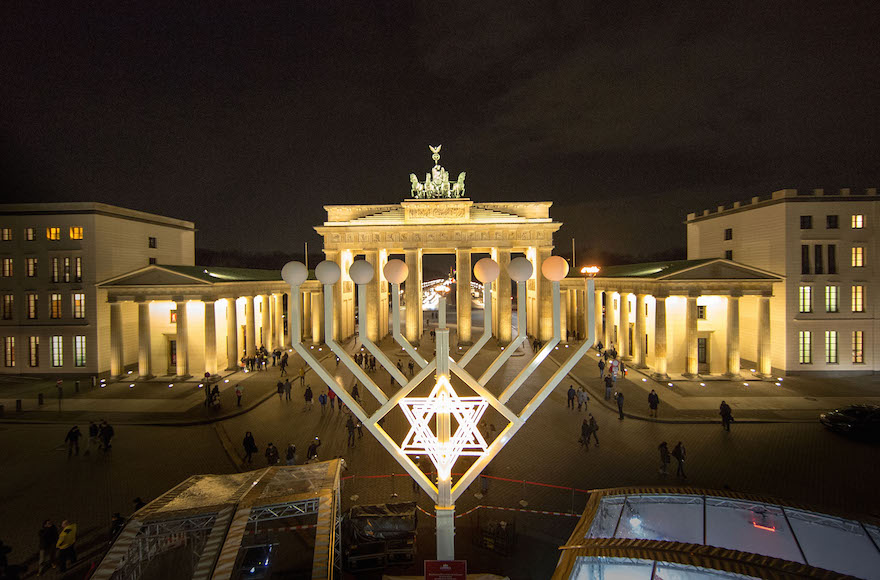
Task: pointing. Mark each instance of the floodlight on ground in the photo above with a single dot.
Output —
(395, 271)
(361, 272)
(520, 269)
(328, 272)
(294, 273)
(554, 268)
(486, 270)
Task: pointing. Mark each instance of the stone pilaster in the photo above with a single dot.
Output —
(210, 337)
(250, 329)
(544, 297)
(117, 364)
(690, 321)
(660, 361)
(639, 333)
(764, 359)
(412, 288)
(373, 315)
(264, 320)
(182, 338)
(623, 329)
(733, 355)
(233, 354)
(317, 317)
(463, 294)
(145, 354)
(504, 309)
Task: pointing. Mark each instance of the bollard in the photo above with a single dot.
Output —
(18, 405)
(40, 398)
(76, 386)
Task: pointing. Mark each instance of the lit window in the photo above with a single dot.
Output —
(6, 234)
(34, 351)
(57, 351)
(858, 342)
(56, 270)
(53, 233)
(858, 298)
(79, 305)
(174, 317)
(77, 269)
(701, 312)
(805, 345)
(30, 234)
(55, 306)
(76, 233)
(831, 298)
(831, 222)
(831, 347)
(805, 299)
(9, 351)
(33, 305)
(858, 221)
(151, 242)
(728, 234)
(858, 257)
(79, 351)
(8, 306)
(7, 267)
(806, 222)
(67, 269)
(31, 267)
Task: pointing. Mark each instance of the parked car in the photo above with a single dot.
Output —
(862, 420)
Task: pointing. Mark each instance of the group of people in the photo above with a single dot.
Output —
(57, 547)
(579, 396)
(364, 360)
(100, 436)
(273, 455)
(678, 452)
(259, 361)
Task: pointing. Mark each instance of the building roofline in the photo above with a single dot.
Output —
(91, 207)
(787, 196)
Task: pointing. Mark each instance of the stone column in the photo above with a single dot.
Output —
(306, 317)
(639, 333)
(264, 322)
(563, 315)
(412, 289)
(623, 329)
(544, 297)
(117, 364)
(610, 316)
(581, 309)
(660, 337)
(210, 338)
(505, 306)
(145, 353)
(733, 360)
(250, 329)
(764, 360)
(182, 338)
(317, 317)
(463, 294)
(278, 336)
(690, 322)
(372, 256)
(232, 353)
(600, 336)
(336, 256)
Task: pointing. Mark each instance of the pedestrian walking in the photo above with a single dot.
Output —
(322, 399)
(594, 430)
(350, 426)
(117, 523)
(664, 458)
(331, 396)
(207, 395)
(215, 396)
(48, 537)
(250, 447)
(312, 452)
(601, 367)
(72, 440)
(290, 456)
(106, 432)
(279, 388)
(571, 396)
(653, 403)
(410, 368)
(582, 397)
(619, 397)
(302, 376)
(271, 455)
(355, 393)
(287, 389)
(609, 385)
(66, 545)
(726, 415)
(238, 394)
(585, 434)
(308, 397)
(93, 438)
(679, 453)
(360, 428)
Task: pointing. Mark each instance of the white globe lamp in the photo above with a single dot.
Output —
(554, 268)
(520, 269)
(487, 270)
(361, 272)
(395, 271)
(328, 272)
(294, 273)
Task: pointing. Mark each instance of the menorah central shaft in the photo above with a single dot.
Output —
(445, 509)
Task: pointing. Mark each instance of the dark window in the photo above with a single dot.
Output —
(820, 263)
(728, 234)
(805, 259)
(806, 222)
(728, 254)
(831, 222)
(152, 260)
(152, 242)
(832, 259)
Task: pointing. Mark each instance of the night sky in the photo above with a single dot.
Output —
(247, 117)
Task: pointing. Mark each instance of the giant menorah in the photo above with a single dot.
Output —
(443, 425)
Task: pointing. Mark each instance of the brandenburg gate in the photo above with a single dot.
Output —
(439, 220)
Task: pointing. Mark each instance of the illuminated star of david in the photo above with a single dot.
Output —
(465, 440)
